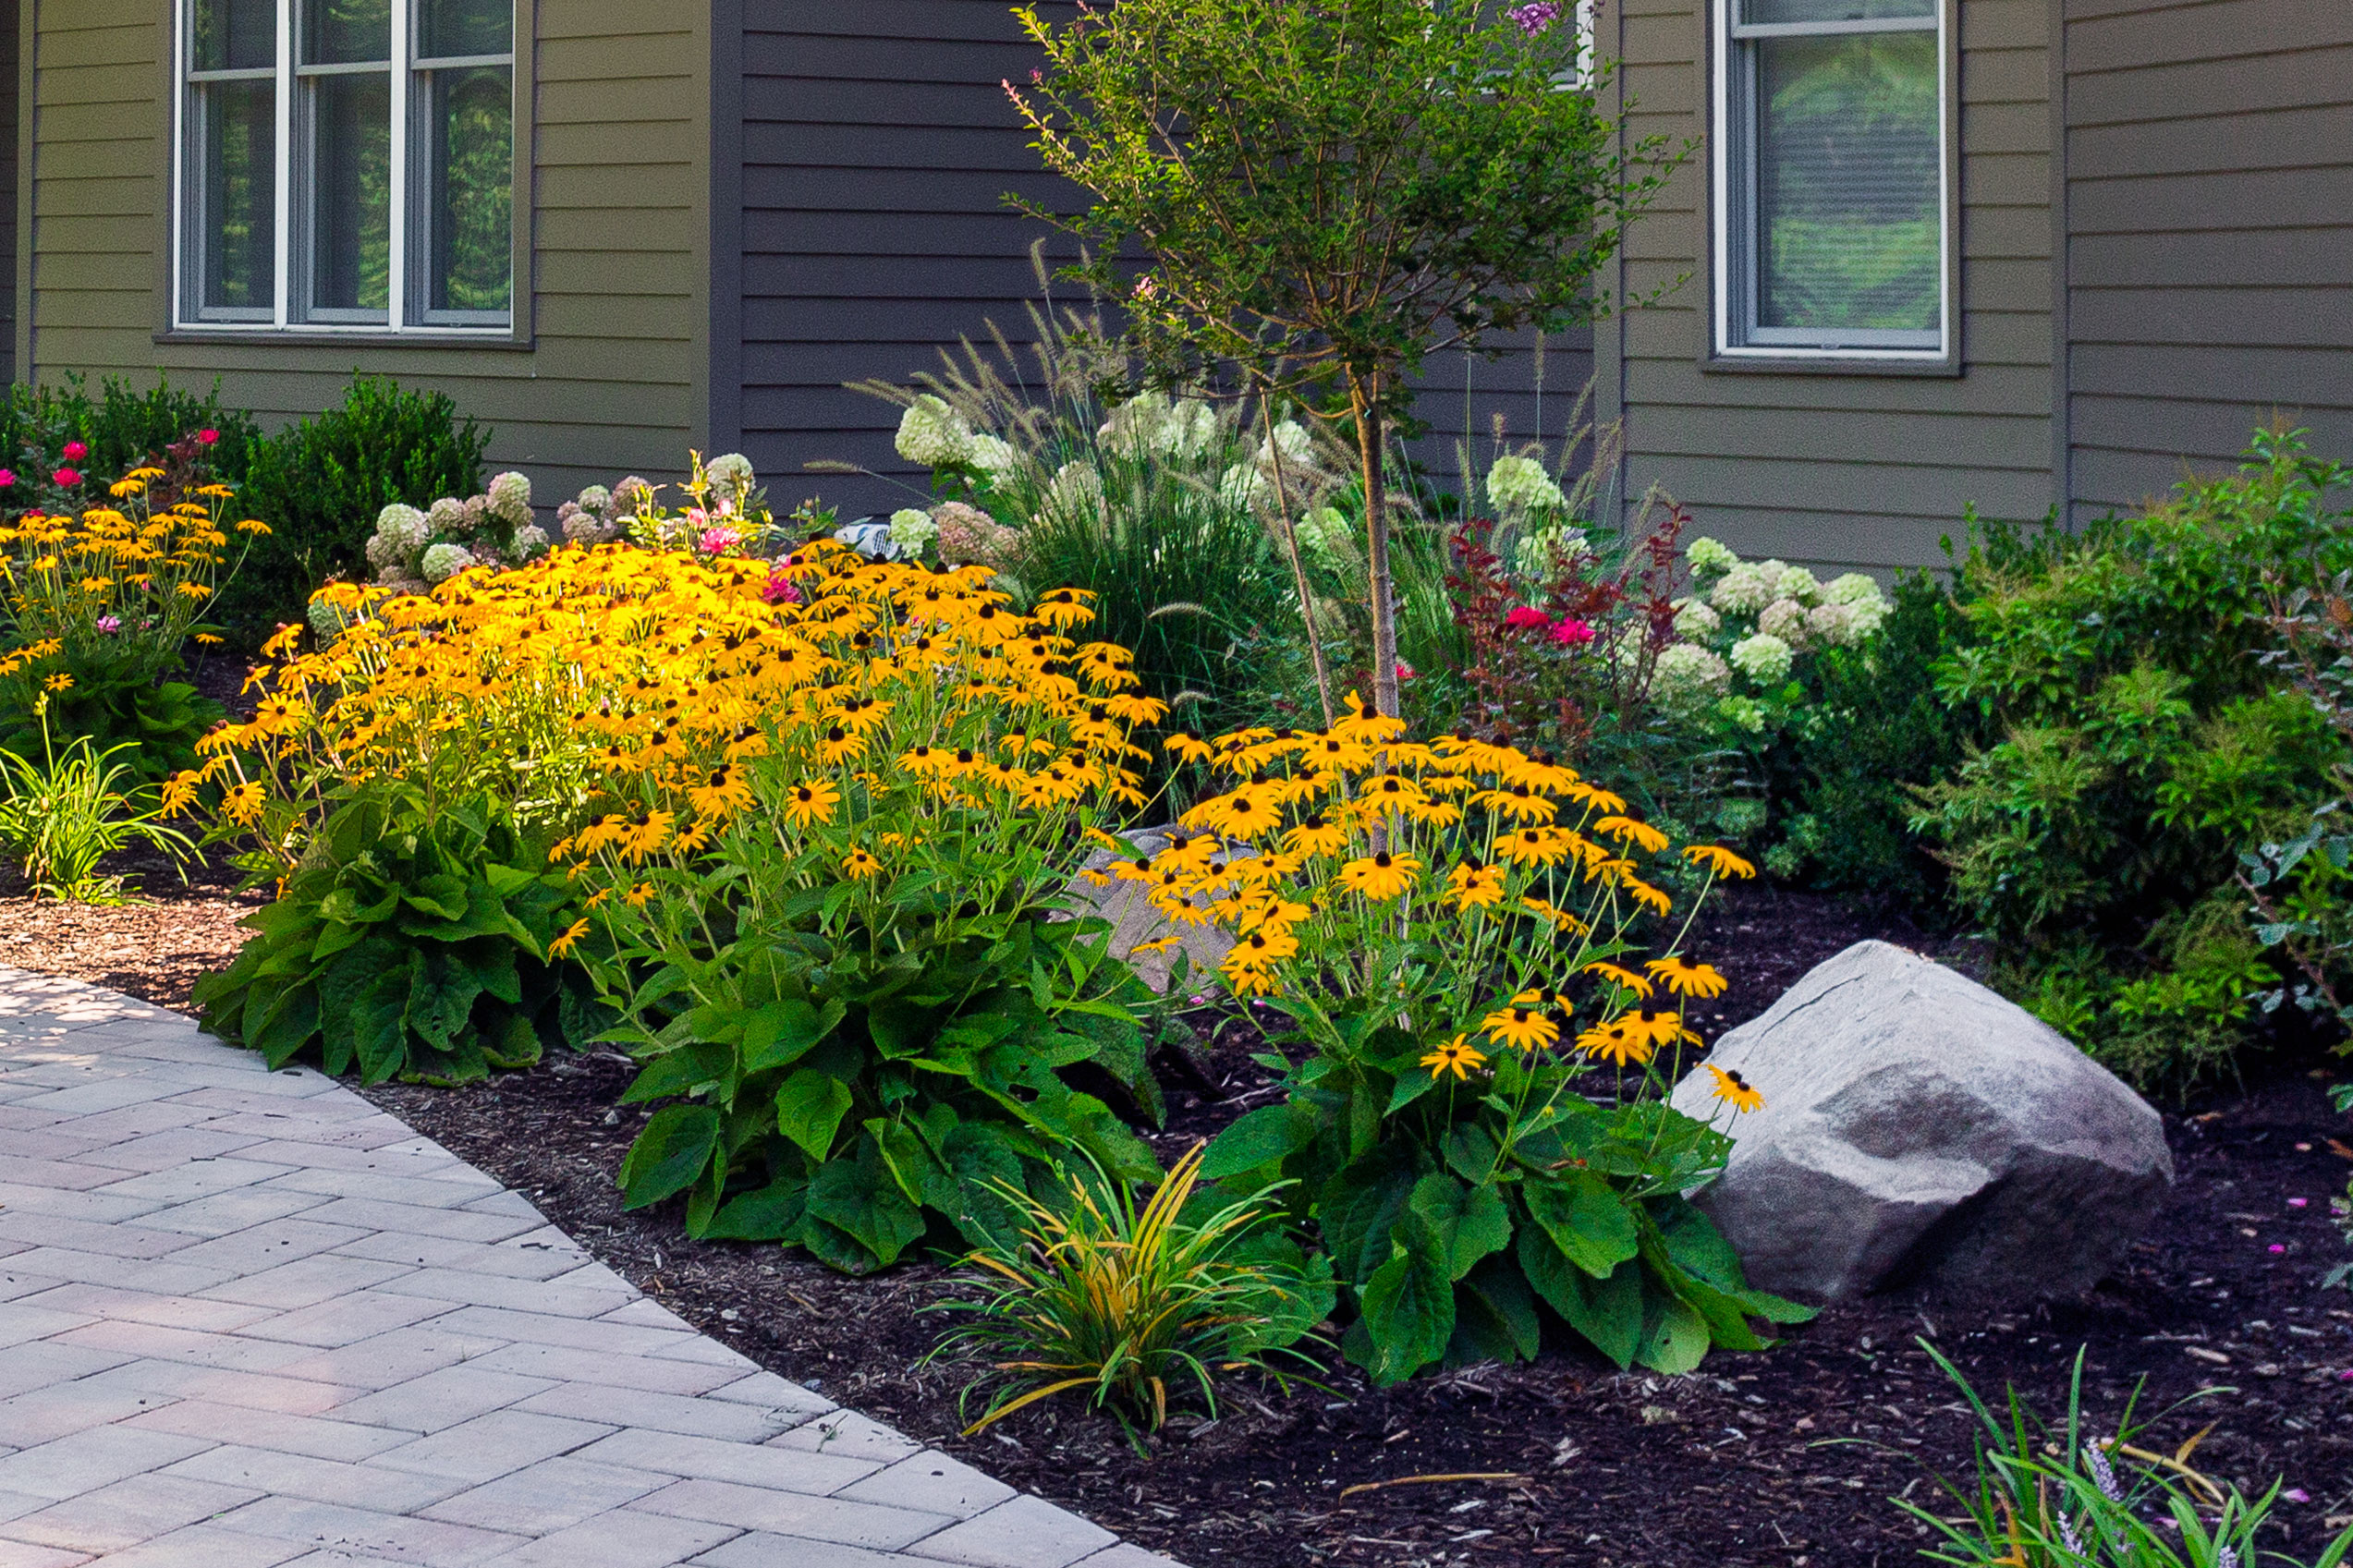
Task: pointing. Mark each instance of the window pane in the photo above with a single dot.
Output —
(448, 28)
(473, 189)
(238, 122)
(1757, 12)
(1849, 215)
(346, 32)
(350, 251)
(235, 35)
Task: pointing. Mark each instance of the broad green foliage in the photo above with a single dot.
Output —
(407, 943)
(1098, 1293)
(2143, 747)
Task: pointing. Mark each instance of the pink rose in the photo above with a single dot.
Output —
(781, 589)
(76, 452)
(8, 477)
(1522, 618)
(718, 541)
(207, 437)
(1572, 634)
(66, 477)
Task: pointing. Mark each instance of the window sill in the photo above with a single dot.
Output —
(296, 338)
(1949, 367)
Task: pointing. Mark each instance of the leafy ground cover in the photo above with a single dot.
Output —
(1748, 1462)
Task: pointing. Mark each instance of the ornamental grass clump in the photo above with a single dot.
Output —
(1124, 1300)
(62, 816)
(1455, 932)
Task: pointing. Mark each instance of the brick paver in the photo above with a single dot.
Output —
(248, 1319)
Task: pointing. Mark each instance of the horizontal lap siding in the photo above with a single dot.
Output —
(878, 148)
(1851, 472)
(2210, 235)
(613, 382)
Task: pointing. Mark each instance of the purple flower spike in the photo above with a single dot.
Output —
(2103, 1475)
(1536, 18)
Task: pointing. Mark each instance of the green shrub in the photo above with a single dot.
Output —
(2143, 744)
(122, 428)
(408, 943)
(322, 484)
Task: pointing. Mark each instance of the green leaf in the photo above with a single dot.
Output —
(858, 1220)
(769, 1213)
(810, 1108)
(782, 1032)
(1469, 1222)
(1495, 1317)
(682, 1070)
(1469, 1151)
(1358, 1207)
(670, 1155)
(1675, 1337)
(1264, 1136)
(287, 1025)
(1607, 1312)
(1586, 1218)
(1408, 1304)
(441, 995)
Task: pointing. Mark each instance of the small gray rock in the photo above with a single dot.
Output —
(1919, 1128)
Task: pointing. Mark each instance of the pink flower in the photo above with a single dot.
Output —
(66, 477)
(1521, 618)
(781, 589)
(2299, 1202)
(2277, 1248)
(2297, 1494)
(718, 541)
(8, 477)
(1572, 634)
(1405, 670)
(76, 452)
(1535, 19)
(207, 437)
(109, 625)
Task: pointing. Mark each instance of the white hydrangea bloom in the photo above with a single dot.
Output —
(1800, 584)
(1855, 588)
(1743, 590)
(990, 455)
(530, 539)
(509, 498)
(1784, 618)
(1694, 622)
(731, 471)
(1709, 556)
(1833, 625)
(595, 498)
(1520, 485)
(1538, 551)
(445, 561)
(447, 516)
(1744, 713)
(1245, 486)
(1765, 658)
(1688, 675)
(912, 530)
(933, 434)
(379, 550)
(1075, 494)
(1864, 618)
(1325, 532)
(587, 527)
(327, 619)
(1291, 439)
(392, 576)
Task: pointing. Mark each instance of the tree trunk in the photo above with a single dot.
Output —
(1298, 571)
(1364, 395)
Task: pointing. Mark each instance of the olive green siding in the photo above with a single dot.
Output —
(1844, 471)
(612, 377)
(2209, 221)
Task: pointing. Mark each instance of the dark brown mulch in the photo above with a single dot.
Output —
(154, 946)
(1784, 1458)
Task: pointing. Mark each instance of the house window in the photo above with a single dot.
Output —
(1832, 183)
(346, 164)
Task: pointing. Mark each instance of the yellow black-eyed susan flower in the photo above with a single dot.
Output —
(1687, 979)
(1733, 1089)
(1380, 877)
(1457, 1056)
(1524, 1029)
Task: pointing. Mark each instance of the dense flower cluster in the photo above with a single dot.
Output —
(1756, 619)
(413, 550)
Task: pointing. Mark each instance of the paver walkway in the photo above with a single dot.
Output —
(247, 1319)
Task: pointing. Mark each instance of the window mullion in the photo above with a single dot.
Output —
(403, 95)
(284, 235)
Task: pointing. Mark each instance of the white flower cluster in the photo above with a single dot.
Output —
(968, 536)
(1789, 603)
(1764, 658)
(509, 500)
(1152, 425)
(1542, 551)
(445, 561)
(933, 434)
(1518, 485)
(1688, 677)
(412, 551)
(912, 531)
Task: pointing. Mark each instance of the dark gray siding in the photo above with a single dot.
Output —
(2210, 234)
(877, 149)
(11, 100)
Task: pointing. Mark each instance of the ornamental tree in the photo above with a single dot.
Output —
(1329, 190)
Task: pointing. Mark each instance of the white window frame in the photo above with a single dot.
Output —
(409, 248)
(1732, 205)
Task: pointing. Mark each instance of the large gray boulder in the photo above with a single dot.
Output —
(1919, 1128)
